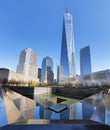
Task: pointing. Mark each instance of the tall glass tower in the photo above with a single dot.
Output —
(47, 75)
(67, 60)
(85, 60)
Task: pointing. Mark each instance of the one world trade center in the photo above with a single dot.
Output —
(67, 60)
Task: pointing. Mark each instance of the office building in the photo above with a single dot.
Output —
(59, 73)
(98, 78)
(67, 60)
(85, 60)
(47, 75)
(11, 76)
(39, 74)
(28, 64)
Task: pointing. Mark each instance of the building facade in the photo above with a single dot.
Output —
(67, 60)
(9, 75)
(47, 75)
(28, 64)
(71, 81)
(39, 74)
(85, 60)
(98, 78)
(59, 73)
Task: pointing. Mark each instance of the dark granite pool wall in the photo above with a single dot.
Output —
(59, 126)
(78, 93)
(25, 91)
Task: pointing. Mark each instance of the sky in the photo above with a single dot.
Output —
(37, 24)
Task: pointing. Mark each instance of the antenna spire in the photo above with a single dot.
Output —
(66, 10)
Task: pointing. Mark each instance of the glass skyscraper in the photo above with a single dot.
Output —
(47, 70)
(85, 60)
(67, 60)
(59, 73)
(39, 74)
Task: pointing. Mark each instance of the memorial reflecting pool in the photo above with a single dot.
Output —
(18, 109)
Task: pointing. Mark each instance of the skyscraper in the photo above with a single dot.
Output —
(59, 73)
(67, 60)
(47, 70)
(28, 64)
(39, 74)
(85, 60)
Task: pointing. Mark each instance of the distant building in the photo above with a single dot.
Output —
(85, 60)
(9, 75)
(96, 78)
(28, 64)
(68, 81)
(39, 74)
(47, 75)
(59, 73)
(67, 60)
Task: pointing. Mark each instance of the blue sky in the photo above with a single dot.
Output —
(37, 24)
